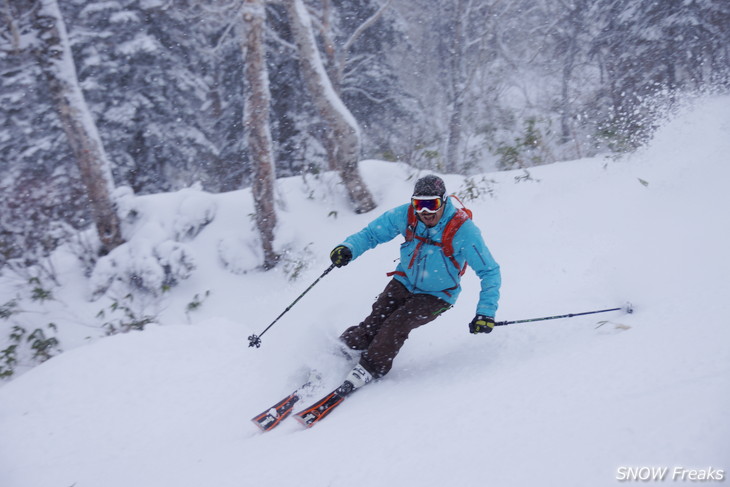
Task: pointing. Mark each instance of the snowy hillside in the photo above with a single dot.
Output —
(556, 403)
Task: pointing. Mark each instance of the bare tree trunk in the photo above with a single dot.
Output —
(12, 28)
(327, 138)
(256, 124)
(453, 144)
(54, 56)
(571, 39)
(344, 127)
(458, 88)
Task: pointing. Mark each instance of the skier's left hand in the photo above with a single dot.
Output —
(481, 324)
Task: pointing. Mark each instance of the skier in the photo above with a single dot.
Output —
(440, 241)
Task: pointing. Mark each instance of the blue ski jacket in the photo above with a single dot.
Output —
(430, 271)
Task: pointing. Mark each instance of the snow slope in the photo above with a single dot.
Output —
(554, 403)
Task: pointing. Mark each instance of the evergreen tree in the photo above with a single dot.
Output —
(39, 181)
(144, 68)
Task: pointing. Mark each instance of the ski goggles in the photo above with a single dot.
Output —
(428, 204)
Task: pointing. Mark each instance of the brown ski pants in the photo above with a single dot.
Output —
(396, 312)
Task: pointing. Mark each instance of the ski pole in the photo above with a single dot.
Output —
(628, 308)
(255, 340)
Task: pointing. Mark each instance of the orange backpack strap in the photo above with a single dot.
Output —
(447, 240)
(412, 222)
(461, 205)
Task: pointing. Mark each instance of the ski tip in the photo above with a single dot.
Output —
(269, 419)
(260, 425)
(304, 422)
(269, 423)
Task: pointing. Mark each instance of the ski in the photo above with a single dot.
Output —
(322, 408)
(273, 416)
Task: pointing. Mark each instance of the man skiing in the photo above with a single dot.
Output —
(440, 241)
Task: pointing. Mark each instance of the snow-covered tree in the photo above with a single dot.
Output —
(53, 53)
(147, 73)
(339, 119)
(647, 48)
(39, 180)
(481, 83)
(569, 35)
(256, 124)
(357, 39)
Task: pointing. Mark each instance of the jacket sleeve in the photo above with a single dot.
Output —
(383, 229)
(480, 259)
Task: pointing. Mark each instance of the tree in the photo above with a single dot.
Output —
(459, 80)
(649, 49)
(148, 71)
(256, 124)
(357, 38)
(470, 27)
(569, 34)
(53, 53)
(330, 106)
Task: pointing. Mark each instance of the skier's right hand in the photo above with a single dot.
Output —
(340, 256)
(481, 324)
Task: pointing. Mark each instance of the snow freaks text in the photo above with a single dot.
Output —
(675, 474)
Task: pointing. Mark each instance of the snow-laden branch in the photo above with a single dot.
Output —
(369, 96)
(364, 26)
(236, 19)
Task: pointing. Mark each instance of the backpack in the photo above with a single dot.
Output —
(447, 239)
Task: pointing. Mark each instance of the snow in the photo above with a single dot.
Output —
(554, 403)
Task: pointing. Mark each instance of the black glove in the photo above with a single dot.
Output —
(340, 256)
(481, 324)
